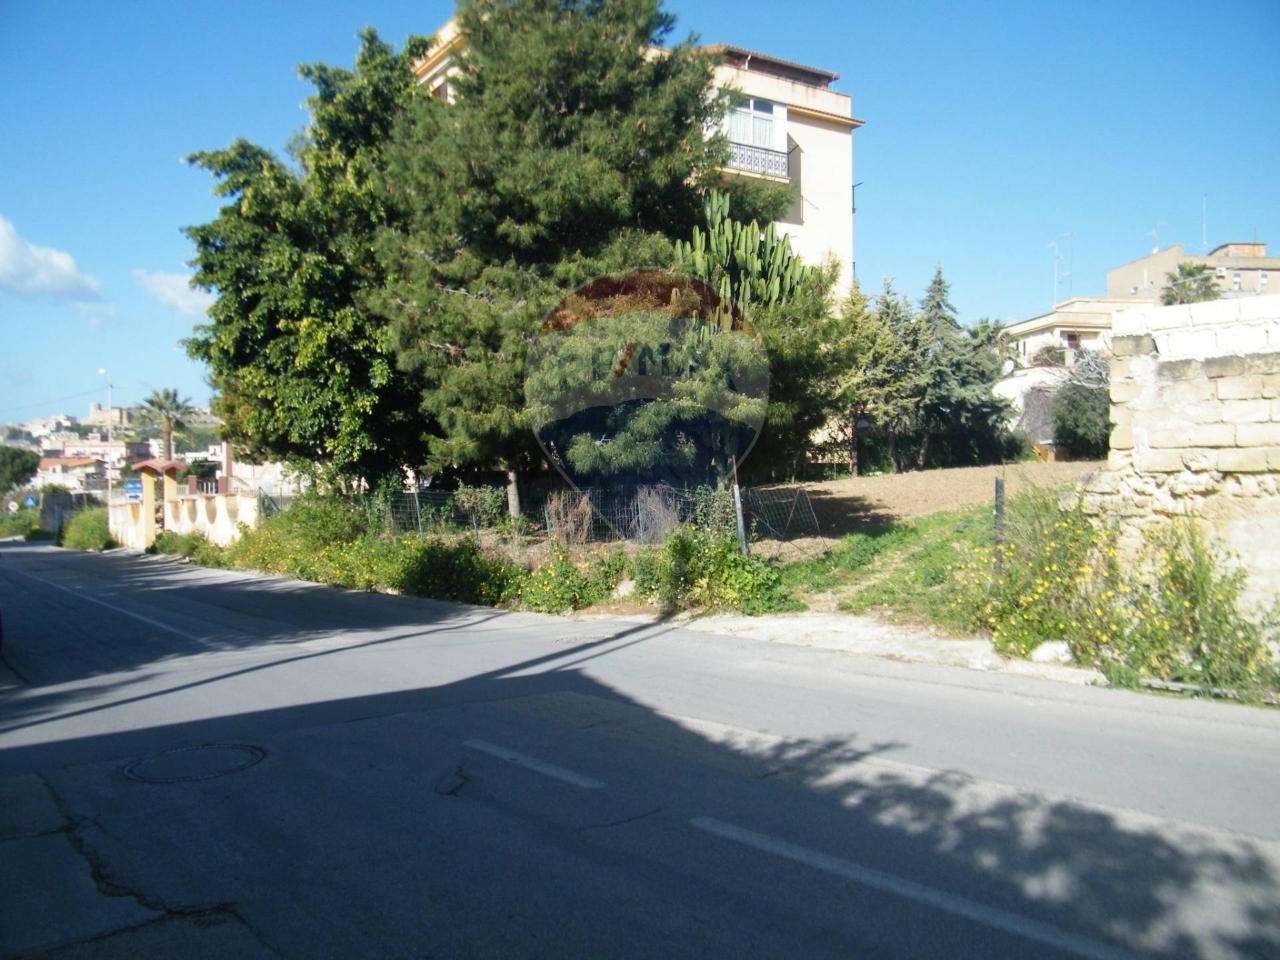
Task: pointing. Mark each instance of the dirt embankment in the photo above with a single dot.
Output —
(843, 506)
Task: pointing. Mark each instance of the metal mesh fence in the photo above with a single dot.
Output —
(779, 522)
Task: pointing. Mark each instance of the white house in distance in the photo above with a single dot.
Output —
(788, 127)
(77, 474)
(1084, 323)
(1081, 323)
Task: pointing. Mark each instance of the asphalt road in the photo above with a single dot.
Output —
(199, 763)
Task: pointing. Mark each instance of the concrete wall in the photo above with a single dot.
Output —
(1195, 404)
(217, 517)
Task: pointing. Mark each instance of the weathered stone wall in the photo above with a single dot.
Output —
(1195, 408)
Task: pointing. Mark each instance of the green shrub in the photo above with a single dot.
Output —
(1082, 420)
(301, 541)
(559, 584)
(487, 506)
(88, 531)
(1026, 590)
(1179, 619)
(701, 568)
(18, 523)
(457, 571)
(36, 534)
(1172, 613)
(329, 541)
(192, 545)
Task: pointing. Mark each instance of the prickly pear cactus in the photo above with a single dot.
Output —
(748, 266)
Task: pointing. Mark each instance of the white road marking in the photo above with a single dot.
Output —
(533, 763)
(79, 594)
(947, 902)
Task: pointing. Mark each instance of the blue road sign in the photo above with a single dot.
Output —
(133, 489)
(28, 501)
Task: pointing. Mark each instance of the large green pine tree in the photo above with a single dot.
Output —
(568, 150)
(958, 367)
(302, 369)
(868, 360)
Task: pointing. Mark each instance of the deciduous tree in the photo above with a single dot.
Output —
(302, 368)
(17, 466)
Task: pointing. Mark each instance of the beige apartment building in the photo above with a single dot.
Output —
(1081, 323)
(788, 126)
(1240, 269)
(1084, 323)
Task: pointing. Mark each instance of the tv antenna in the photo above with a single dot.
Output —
(1058, 273)
(1154, 234)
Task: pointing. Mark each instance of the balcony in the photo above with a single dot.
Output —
(751, 159)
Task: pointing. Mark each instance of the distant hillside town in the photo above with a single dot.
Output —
(79, 454)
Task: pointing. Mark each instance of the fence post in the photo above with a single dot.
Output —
(417, 509)
(546, 515)
(999, 523)
(742, 526)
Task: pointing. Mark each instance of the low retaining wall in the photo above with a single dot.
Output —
(1195, 409)
(218, 517)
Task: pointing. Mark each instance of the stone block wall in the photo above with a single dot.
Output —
(1195, 412)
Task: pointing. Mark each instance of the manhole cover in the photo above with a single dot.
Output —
(186, 764)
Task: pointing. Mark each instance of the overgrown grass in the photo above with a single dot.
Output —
(699, 568)
(327, 540)
(900, 570)
(1171, 613)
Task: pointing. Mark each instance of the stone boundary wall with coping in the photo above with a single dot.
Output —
(1195, 413)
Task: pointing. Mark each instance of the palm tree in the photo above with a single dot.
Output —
(1191, 284)
(165, 409)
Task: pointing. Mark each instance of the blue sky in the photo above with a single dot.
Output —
(992, 130)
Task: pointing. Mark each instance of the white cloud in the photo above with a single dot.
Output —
(174, 290)
(32, 271)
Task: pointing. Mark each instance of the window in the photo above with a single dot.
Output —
(751, 122)
(1220, 272)
(1262, 279)
(1235, 282)
(1071, 340)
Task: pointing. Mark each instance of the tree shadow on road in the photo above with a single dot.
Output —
(365, 799)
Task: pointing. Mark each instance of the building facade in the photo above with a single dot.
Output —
(1081, 323)
(786, 126)
(1239, 269)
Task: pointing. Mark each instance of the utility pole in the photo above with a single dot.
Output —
(103, 373)
(1053, 245)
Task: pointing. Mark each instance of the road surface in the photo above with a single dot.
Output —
(199, 763)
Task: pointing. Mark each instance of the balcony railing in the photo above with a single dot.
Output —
(753, 159)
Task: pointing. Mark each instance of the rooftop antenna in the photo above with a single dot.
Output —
(1154, 234)
(1053, 245)
(1071, 257)
(1204, 223)
(1059, 274)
